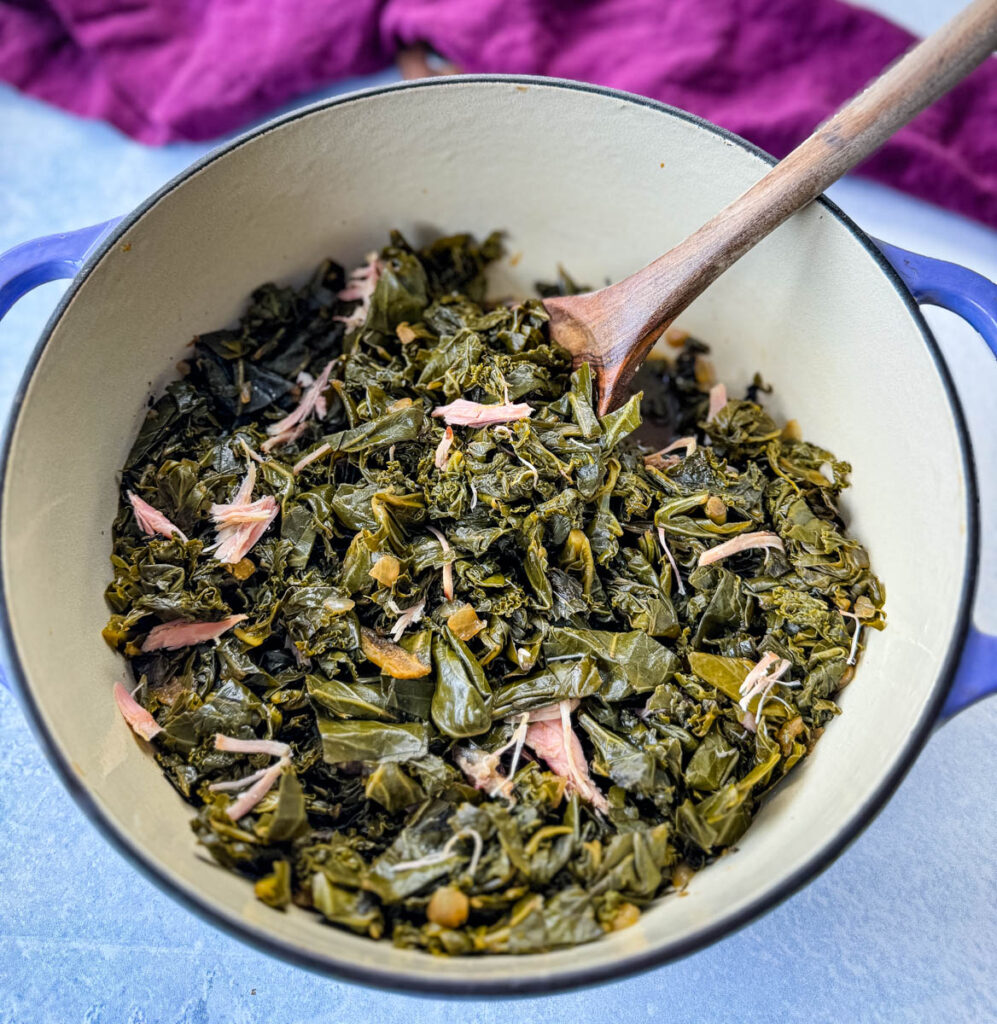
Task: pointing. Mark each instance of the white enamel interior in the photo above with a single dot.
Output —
(602, 184)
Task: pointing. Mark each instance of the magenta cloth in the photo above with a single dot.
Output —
(770, 70)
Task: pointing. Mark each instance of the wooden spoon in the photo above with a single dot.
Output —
(614, 328)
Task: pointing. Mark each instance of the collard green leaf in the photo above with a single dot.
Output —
(631, 662)
(365, 740)
(462, 696)
(289, 818)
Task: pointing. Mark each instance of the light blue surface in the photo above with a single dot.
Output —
(903, 927)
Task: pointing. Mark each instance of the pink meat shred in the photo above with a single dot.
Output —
(312, 401)
(441, 457)
(463, 413)
(552, 712)
(480, 767)
(360, 288)
(141, 722)
(406, 618)
(555, 741)
(745, 542)
(241, 522)
(662, 460)
(170, 636)
(718, 399)
(246, 801)
(760, 681)
(234, 745)
(308, 459)
(284, 437)
(151, 521)
(255, 786)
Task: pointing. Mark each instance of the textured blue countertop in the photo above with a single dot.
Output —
(903, 927)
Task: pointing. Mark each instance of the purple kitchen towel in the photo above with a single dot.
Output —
(770, 70)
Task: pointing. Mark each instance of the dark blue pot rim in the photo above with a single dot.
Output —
(616, 968)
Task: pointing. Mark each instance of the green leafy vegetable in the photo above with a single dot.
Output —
(472, 689)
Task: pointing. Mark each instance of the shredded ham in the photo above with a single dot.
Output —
(671, 560)
(447, 567)
(552, 712)
(256, 792)
(759, 671)
(745, 542)
(718, 399)
(557, 744)
(234, 745)
(481, 767)
(172, 635)
(255, 786)
(662, 460)
(441, 457)
(151, 521)
(284, 437)
(405, 619)
(308, 459)
(764, 697)
(463, 413)
(249, 451)
(312, 401)
(360, 288)
(237, 784)
(241, 522)
(141, 722)
(758, 683)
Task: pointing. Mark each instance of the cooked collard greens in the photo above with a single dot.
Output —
(439, 653)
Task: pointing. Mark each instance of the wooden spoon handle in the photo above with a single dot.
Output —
(928, 71)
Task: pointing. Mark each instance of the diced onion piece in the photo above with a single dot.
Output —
(448, 590)
(671, 560)
(464, 623)
(360, 288)
(256, 792)
(386, 570)
(390, 658)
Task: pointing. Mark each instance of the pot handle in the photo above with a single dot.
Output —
(970, 295)
(46, 259)
(39, 261)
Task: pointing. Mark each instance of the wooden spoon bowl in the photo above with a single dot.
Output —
(613, 329)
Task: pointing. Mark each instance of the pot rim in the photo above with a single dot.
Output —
(618, 968)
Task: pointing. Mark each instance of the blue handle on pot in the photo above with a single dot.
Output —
(46, 259)
(930, 281)
(970, 295)
(41, 260)
(939, 283)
